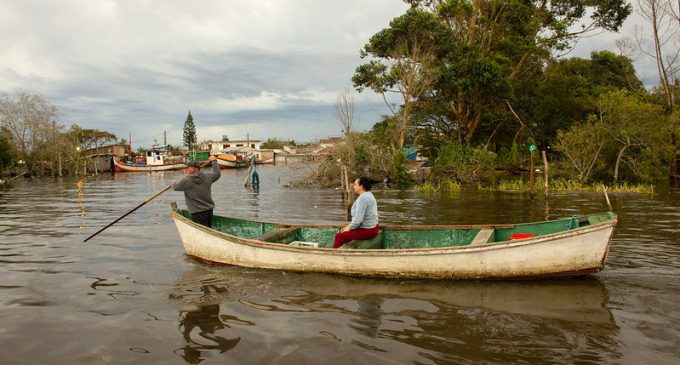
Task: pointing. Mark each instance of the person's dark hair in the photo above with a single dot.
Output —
(366, 183)
(195, 164)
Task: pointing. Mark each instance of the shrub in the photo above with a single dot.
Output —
(463, 163)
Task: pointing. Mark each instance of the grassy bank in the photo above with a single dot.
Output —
(555, 186)
(569, 186)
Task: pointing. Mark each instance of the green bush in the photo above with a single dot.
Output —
(463, 163)
(510, 157)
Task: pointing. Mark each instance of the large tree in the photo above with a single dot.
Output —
(633, 127)
(408, 68)
(189, 132)
(481, 48)
(568, 90)
(6, 148)
(344, 111)
(662, 17)
(92, 138)
(31, 123)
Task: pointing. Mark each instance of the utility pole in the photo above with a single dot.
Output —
(165, 138)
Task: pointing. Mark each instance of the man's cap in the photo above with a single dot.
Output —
(194, 163)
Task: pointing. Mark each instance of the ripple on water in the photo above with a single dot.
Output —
(131, 295)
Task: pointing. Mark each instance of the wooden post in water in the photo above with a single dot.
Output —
(606, 196)
(343, 176)
(348, 189)
(531, 175)
(342, 180)
(545, 174)
(246, 183)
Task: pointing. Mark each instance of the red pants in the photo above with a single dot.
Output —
(356, 234)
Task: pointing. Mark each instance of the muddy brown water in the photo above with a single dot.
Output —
(131, 296)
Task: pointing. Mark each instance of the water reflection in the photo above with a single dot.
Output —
(369, 316)
(80, 196)
(200, 325)
(441, 321)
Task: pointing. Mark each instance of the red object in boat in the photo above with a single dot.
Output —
(519, 236)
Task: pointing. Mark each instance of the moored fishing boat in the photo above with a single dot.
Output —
(156, 159)
(558, 248)
(232, 160)
(136, 167)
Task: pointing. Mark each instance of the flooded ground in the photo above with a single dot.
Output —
(131, 296)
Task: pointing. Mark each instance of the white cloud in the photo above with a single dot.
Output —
(265, 100)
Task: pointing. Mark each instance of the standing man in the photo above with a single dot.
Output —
(196, 187)
(364, 224)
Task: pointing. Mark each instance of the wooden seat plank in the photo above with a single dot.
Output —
(485, 235)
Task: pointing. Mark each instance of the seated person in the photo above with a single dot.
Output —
(364, 224)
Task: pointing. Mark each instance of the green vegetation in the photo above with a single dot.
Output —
(477, 84)
(31, 138)
(277, 144)
(6, 149)
(564, 185)
(429, 187)
(474, 85)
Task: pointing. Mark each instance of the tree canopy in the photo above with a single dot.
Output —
(91, 138)
(31, 123)
(461, 60)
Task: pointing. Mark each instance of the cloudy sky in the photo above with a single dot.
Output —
(257, 68)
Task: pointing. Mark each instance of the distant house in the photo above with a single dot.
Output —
(290, 149)
(118, 150)
(204, 146)
(227, 144)
(102, 157)
(331, 142)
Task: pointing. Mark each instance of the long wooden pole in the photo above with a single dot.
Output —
(152, 197)
(21, 174)
(130, 212)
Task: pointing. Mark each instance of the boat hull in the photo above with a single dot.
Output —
(120, 167)
(226, 164)
(231, 161)
(569, 253)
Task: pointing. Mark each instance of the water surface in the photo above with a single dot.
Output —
(130, 295)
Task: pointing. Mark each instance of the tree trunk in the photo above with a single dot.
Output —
(618, 163)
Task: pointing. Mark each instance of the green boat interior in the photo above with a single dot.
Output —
(399, 237)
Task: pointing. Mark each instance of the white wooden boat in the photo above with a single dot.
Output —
(559, 248)
(134, 167)
(156, 160)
